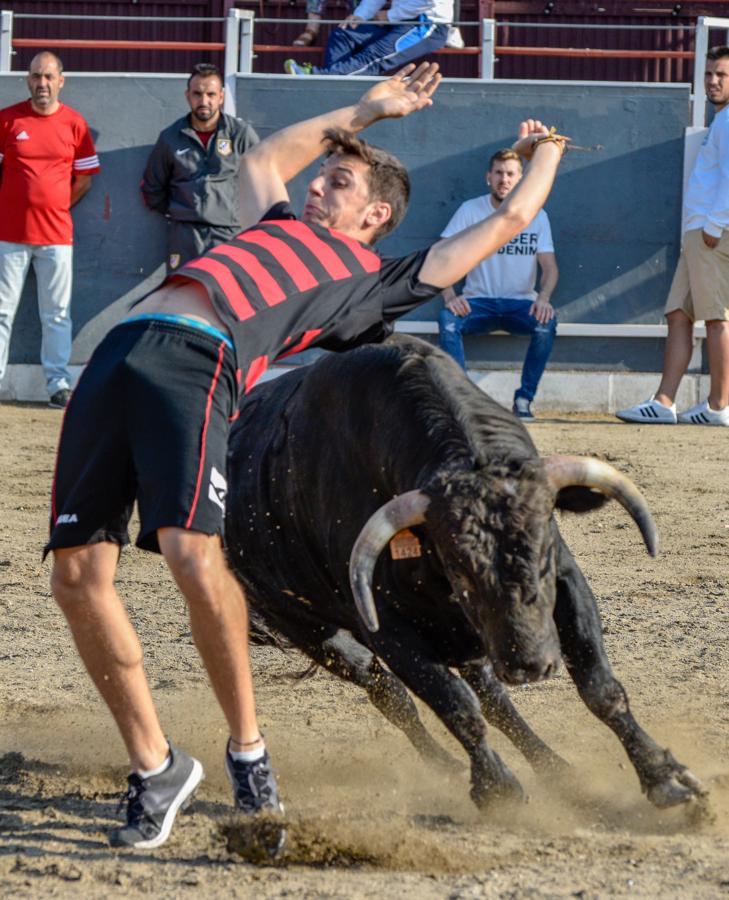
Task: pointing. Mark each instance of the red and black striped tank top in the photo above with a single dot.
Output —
(284, 285)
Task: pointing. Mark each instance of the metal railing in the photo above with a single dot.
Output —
(240, 49)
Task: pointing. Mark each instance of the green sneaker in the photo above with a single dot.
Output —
(291, 67)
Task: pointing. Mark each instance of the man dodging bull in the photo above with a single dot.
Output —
(176, 365)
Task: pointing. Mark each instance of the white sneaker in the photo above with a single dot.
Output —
(650, 412)
(455, 38)
(703, 414)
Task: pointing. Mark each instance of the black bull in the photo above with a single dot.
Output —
(495, 589)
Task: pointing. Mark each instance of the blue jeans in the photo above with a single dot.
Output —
(500, 314)
(53, 265)
(377, 49)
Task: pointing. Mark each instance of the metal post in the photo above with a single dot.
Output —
(245, 58)
(6, 40)
(232, 38)
(488, 45)
(698, 103)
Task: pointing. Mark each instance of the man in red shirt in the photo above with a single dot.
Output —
(47, 158)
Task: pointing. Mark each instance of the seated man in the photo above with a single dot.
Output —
(499, 294)
(410, 29)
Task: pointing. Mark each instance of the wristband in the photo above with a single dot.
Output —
(552, 138)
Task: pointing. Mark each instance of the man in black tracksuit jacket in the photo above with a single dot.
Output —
(191, 176)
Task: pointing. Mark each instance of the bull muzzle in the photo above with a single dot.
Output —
(528, 673)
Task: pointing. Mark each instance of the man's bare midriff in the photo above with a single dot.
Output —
(187, 298)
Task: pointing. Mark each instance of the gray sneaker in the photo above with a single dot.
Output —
(254, 784)
(153, 803)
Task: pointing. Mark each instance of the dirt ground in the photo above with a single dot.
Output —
(366, 818)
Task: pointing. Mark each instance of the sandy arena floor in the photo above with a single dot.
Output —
(367, 818)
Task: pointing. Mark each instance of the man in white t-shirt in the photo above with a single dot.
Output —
(700, 287)
(499, 294)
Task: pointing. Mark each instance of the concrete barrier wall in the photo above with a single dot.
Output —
(615, 210)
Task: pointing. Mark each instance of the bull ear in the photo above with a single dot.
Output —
(579, 499)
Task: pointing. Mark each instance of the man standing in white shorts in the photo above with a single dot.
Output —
(700, 288)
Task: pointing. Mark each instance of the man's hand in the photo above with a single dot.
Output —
(529, 132)
(710, 240)
(542, 310)
(459, 306)
(408, 91)
(351, 22)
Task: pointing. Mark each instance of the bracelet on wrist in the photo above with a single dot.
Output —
(551, 138)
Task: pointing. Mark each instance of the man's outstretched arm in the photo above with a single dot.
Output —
(266, 169)
(452, 258)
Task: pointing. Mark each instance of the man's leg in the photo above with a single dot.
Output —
(219, 621)
(163, 778)
(390, 49)
(518, 321)
(418, 41)
(53, 266)
(451, 328)
(450, 335)
(676, 355)
(660, 409)
(83, 586)
(14, 264)
(717, 346)
(343, 43)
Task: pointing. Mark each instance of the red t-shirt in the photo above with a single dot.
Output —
(39, 155)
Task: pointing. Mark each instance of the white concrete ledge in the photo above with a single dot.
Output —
(567, 329)
(561, 391)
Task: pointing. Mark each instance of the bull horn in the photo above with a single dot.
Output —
(569, 471)
(401, 512)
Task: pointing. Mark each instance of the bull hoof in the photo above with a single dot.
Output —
(681, 786)
(508, 790)
(551, 764)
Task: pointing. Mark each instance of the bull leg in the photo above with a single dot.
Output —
(345, 657)
(500, 712)
(664, 780)
(455, 704)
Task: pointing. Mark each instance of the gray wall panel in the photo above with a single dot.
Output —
(615, 210)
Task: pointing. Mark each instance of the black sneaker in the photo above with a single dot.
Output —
(254, 784)
(153, 803)
(60, 399)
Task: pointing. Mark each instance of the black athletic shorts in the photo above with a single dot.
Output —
(149, 421)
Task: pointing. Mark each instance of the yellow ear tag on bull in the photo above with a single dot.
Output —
(405, 545)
